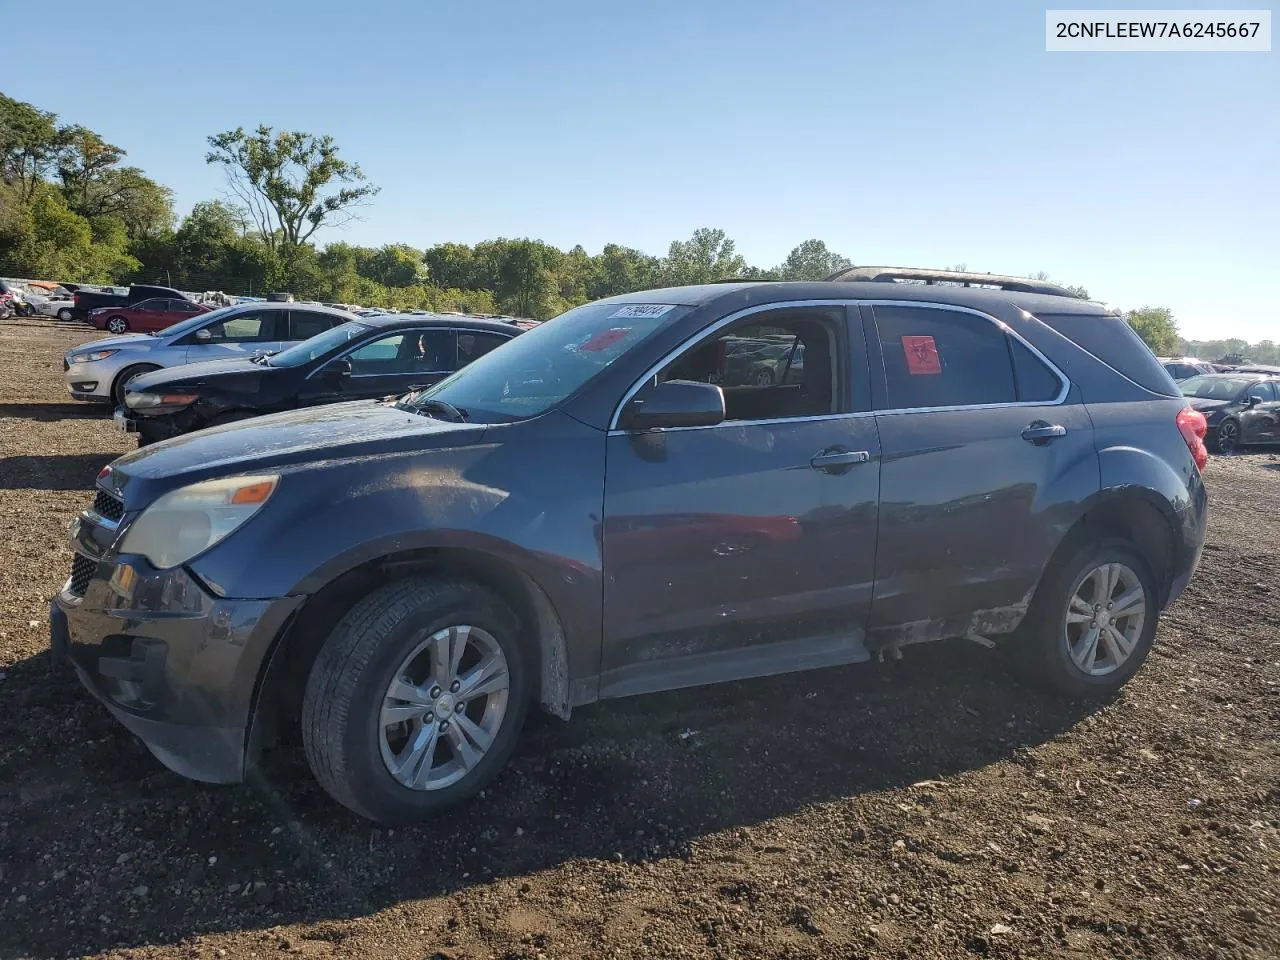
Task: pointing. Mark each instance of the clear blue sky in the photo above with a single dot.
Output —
(921, 133)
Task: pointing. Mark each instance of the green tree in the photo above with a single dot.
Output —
(30, 142)
(452, 265)
(620, 269)
(292, 183)
(707, 256)
(394, 265)
(1157, 328)
(811, 260)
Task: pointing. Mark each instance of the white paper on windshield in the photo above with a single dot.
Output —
(646, 311)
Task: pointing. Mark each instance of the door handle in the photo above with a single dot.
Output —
(835, 458)
(1041, 432)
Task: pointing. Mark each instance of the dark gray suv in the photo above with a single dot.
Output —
(620, 502)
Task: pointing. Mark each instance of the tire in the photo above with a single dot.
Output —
(117, 325)
(1226, 439)
(1046, 639)
(65, 315)
(123, 378)
(350, 747)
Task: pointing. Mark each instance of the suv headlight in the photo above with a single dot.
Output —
(92, 357)
(190, 520)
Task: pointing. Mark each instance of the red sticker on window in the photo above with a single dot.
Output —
(922, 356)
(605, 339)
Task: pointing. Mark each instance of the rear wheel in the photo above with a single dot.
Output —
(123, 378)
(416, 699)
(1226, 439)
(65, 314)
(117, 324)
(1092, 622)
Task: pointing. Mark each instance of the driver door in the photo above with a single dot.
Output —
(389, 365)
(239, 337)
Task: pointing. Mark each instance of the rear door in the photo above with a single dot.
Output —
(305, 324)
(148, 316)
(746, 548)
(985, 449)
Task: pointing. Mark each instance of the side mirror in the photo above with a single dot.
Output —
(204, 334)
(675, 403)
(1252, 400)
(338, 369)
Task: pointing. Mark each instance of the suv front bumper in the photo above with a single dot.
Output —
(175, 664)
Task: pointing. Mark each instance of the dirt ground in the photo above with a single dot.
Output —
(932, 807)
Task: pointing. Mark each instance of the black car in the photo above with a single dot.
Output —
(607, 507)
(1240, 408)
(372, 357)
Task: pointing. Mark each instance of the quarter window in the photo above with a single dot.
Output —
(947, 358)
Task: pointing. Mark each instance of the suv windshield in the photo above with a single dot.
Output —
(199, 320)
(317, 346)
(540, 368)
(1215, 388)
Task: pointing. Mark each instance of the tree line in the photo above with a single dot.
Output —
(72, 209)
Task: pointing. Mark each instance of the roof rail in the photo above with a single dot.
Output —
(894, 274)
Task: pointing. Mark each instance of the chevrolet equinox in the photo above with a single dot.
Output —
(663, 489)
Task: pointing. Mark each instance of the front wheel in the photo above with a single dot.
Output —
(126, 375)
(416, 699)
(1226, 439)
(1092, 622)
(117, 325)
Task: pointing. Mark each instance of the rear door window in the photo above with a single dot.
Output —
(304, 324)
(243, 328)
(945, 358)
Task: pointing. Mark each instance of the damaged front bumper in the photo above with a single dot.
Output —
(173, 662)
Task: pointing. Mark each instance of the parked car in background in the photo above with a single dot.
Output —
(1181, 368)
(399, 582)
(99, 370)
(59, 305)
(87, 299)
(147, 316)
(372, 357)
(1239, 408)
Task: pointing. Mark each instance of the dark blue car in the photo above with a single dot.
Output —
(612, 504)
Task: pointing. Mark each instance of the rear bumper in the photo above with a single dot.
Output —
(1194, 519)
(173, 663)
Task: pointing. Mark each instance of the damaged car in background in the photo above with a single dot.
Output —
(611, 504)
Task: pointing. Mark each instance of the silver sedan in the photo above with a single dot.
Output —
(98, 371)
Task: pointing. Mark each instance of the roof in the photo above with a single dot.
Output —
(436, 320)
(950, 277)
(750, 293)
(1242, 374)
(284, 305)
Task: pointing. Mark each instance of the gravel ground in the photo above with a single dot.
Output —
(931, 807)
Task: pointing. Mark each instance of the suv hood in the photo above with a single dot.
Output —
(362, 428)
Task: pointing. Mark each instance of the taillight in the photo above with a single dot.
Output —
(1193, 426)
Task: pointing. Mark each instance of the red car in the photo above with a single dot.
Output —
(147, 316)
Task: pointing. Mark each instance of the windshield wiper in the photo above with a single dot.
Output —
(451, 413)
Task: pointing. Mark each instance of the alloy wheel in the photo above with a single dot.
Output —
(443, 707)
(1228, 437)
(116, 325)
(1104, 619)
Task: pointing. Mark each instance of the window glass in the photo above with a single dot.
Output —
(152, 304)
(407, 351)
(186, 326)
(1036, 382)
(768, 371)
(318, 345)
(1214, 387)
(242, 328)
(1116, 344)
(471, 346)
(305, 325)
(555, 359)
(943, 358)
(1262, 390)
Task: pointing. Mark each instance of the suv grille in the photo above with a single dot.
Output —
(108, 507)
(82, 570)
